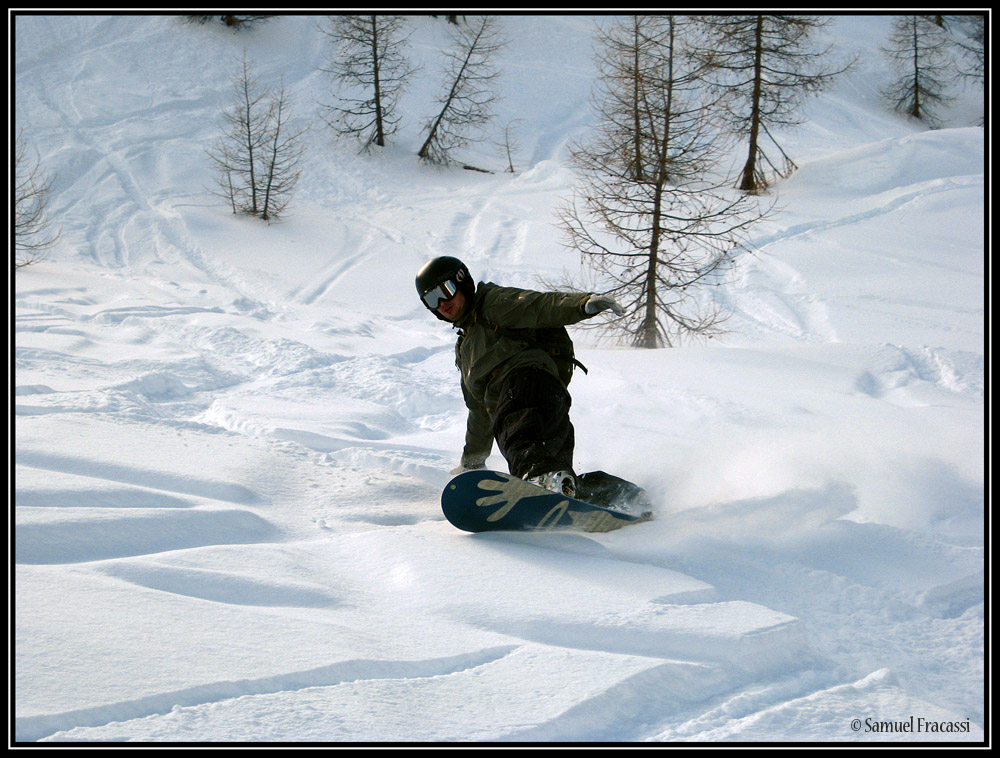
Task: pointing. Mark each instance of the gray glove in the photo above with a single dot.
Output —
(598, 303)
(461, 468)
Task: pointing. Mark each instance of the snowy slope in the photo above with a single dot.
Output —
(231, 437)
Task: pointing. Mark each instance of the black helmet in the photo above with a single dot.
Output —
(448, 273)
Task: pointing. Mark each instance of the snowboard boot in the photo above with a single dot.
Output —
(562, 482)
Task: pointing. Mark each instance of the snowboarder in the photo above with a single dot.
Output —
(516, 360)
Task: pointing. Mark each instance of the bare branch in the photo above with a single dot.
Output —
(34, 232)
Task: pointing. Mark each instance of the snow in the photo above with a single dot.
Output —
(231, 437)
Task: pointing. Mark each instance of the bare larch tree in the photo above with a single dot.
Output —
(650, 214)
(764, 66)
(508, 143)
(282, 154)
(257, 157)
(918, 50)
(469, 93)
(369, 65)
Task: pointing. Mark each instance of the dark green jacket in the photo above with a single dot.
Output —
(485, 356)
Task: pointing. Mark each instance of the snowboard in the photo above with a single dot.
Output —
(485, 500)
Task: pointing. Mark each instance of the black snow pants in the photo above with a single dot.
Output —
(531, 424)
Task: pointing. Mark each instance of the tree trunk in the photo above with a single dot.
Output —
(748, 182)
(379, 127)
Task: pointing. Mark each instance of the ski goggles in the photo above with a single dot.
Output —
(444, 291)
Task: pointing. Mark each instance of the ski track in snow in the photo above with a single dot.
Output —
(257, 450)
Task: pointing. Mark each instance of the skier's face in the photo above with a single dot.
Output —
(452, 309)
